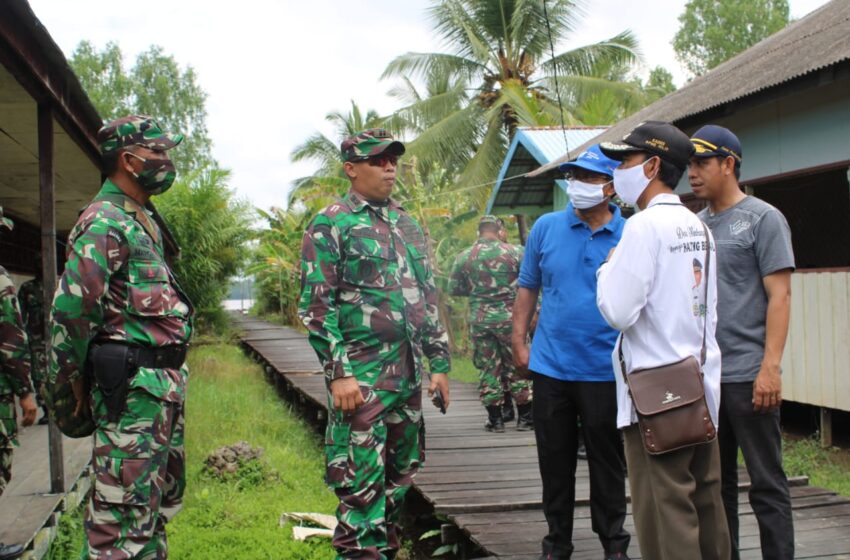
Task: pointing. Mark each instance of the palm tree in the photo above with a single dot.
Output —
(500, 75)
(324, 151)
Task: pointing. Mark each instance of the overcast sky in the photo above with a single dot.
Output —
(274, 68)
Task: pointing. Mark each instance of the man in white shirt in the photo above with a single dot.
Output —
(646, 290)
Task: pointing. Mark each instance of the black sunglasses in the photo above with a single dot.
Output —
(380, 160)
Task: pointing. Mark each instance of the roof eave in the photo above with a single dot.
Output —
(37, 62)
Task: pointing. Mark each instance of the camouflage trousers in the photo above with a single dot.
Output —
(372, 456)
(139, 467)
(8, 432)
(38, 372)
(492, 355)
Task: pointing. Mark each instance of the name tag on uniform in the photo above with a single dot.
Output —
(143, 254)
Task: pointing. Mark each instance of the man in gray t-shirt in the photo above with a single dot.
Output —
(754, 264)
(753, 241)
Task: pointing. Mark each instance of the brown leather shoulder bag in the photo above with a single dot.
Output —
(670, 399)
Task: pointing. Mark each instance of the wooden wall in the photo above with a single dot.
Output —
(816, 364)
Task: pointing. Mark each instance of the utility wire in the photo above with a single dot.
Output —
(470, 188)
(555, 77)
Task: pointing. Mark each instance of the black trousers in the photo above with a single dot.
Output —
(558, 405)
(760, 439)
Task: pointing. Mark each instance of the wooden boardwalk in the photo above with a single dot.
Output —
(489, 484)
(28, 511)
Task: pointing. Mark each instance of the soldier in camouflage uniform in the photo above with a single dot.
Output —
(369, 302)
(14, 380)
(487, 273)
(120, 318)
(31, 297)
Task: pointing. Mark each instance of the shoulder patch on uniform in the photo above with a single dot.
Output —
(115, 234)
(335, 209)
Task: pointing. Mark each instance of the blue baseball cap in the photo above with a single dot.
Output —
(592, 160)
(716, 141)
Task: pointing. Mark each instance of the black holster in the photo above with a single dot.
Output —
(112, 370)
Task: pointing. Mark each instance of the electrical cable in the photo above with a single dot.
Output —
(555, 77)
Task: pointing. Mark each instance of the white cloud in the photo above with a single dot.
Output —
(273, 69)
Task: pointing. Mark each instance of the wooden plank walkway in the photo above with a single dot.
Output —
(28, 511)
(489, 484)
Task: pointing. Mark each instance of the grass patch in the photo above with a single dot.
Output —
(69, 535)
(463, 370)
(238, 518)
(230, 401)
(827, 468)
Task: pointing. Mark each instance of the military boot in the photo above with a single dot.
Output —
(525, 422)
(9, 551)
(495, 423)
(44, 420)
(508, 408)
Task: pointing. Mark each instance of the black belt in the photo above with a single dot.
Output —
(162, 357)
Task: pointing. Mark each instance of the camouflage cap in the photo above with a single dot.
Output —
(368, 143)
(135, 130)
(5, 222)
(490, 219)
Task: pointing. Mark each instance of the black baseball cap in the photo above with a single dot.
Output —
(656, 138)
(716, 141)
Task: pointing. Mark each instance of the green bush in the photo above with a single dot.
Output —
(212, 227)
(70, 536)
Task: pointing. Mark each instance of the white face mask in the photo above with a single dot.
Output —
(586, 195)
(630, 183)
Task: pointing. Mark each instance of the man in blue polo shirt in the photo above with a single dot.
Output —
(570, 358)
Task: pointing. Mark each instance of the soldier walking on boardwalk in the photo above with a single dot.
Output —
(487, 273)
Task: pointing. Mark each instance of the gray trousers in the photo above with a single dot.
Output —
(676, 501)
(759, 437)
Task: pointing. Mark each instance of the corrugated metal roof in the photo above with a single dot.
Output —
(550, 140)
(531, 148)
(817, 41)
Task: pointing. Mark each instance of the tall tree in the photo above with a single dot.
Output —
(713, 31)
(500, 76)
(324, 151)
(660, 82)
(155, 85)
(209, 222)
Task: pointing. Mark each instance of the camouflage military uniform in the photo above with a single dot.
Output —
(487, 273)
(14, 372)
(117, 287)
(370, 304)
(31, 298)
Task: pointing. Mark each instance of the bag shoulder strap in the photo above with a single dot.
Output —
(703, 350)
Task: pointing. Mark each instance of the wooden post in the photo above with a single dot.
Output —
(825, 427)
(48, 271)
(523, 228)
